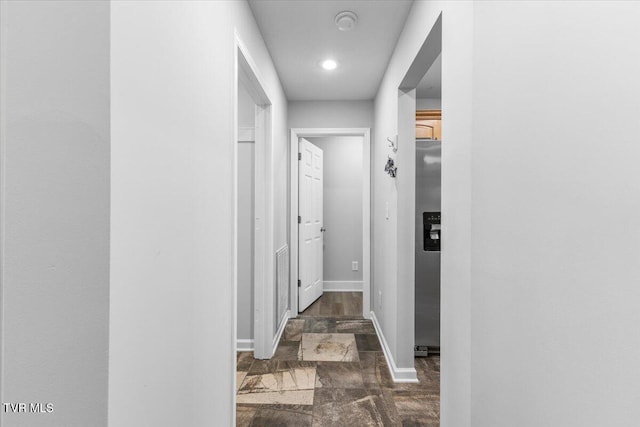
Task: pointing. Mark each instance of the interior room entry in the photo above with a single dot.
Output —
(310, 234)
(340, 259)
(254, 320)
(419, 130)
(245, 217)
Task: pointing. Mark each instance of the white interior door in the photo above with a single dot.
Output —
(310, 228)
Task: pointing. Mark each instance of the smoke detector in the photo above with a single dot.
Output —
(346, 20)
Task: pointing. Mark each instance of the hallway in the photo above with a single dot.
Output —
(143, 144)
(329, 370)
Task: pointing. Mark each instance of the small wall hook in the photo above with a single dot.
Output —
(393, 144)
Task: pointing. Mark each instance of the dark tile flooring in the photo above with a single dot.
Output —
(336, 305)
(331, 371)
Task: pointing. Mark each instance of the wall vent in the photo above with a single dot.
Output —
(282, 283)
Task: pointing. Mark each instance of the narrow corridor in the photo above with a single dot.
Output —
(329, 370)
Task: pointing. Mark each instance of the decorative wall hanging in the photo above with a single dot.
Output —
(390, 167)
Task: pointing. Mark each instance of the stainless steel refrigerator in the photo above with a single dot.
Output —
(427, 250)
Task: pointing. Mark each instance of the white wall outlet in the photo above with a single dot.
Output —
(354, 265)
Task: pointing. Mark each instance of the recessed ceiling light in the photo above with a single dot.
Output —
(329, 64)
(346, 20)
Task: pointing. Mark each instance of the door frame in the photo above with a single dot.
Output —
(246, 73)
(296, 134)
(402, 366)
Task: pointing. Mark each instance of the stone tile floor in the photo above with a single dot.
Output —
(336, 305)
(332, 372)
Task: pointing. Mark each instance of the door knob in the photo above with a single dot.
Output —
(323, 229)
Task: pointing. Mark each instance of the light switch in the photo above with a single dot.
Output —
(354, 266)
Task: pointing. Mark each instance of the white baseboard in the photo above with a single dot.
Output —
(276, 339)
(337, 286)
(399, 375)
(244, 345)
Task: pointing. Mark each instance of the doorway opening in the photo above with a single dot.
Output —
(330, 242)
(251, 223)
(428, 210)
(245, 217)
(419, 193)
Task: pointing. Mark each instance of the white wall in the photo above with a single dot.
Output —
(172, 297)
(546, 293)
(395, 318)
(246, 108)
(330, 114)
(342, 205)
(246, 217)
(555, 316)
(428, 103)
(54, 124)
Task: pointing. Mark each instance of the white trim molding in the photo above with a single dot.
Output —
(399, 375)
(244, 344)
(341, 286)
(283, 324)
(248, 75)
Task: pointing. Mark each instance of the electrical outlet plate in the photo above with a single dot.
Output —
(354, 265)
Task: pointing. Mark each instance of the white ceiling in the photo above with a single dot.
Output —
(300, 34)
(431, 84)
